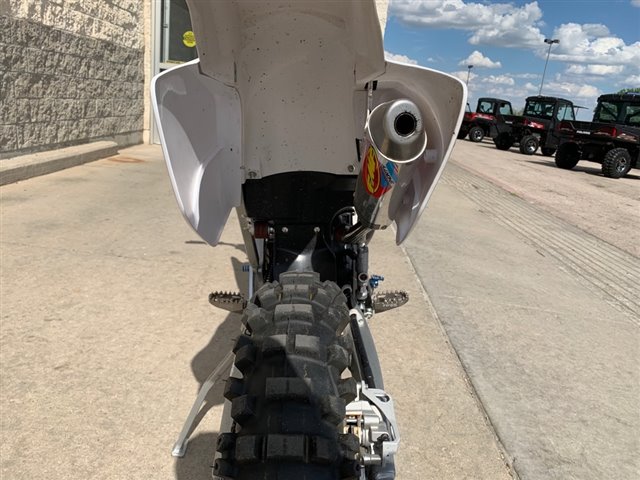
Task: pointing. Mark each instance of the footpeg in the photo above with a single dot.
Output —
(384, 301)
(230, 301)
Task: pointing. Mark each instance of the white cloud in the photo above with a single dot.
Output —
(515, 28)
(516, 94)
(593, 55)
(477, 59)
(498, 80)
(592, 44)
(571, 90)
(525, 76)
(462, 75)
(502, 24)
(487, 84)
(501, 86)
(396, 57)
(595, 29)
(600, 70)
(518, 26)
(633, 81)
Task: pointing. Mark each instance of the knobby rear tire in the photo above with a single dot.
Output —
(290, 403)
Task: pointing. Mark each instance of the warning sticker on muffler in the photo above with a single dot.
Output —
(378, 178)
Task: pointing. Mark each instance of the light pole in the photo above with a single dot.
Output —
(469, 73)
(550, 41)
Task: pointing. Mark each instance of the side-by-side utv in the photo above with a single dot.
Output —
(478, 124)
(611, 139)
(537, 127)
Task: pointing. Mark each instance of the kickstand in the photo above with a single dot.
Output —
(180, 447)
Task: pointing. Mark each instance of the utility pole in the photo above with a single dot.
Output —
(550, 41)
(469, 73)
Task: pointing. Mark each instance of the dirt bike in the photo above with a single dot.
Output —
(292, 116)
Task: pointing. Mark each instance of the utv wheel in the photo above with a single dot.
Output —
(290, 402)
(462, 133)
(548, 152)
(616, 163)
(528, 145)
(503, 141)
(567, 156)
(476, 134)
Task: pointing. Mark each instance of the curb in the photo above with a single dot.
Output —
(27, 166)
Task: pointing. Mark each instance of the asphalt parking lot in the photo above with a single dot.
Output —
(518, 354)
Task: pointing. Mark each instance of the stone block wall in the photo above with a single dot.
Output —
(71, 71)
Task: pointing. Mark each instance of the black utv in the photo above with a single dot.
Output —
(478, 124)
(612, 139)
(536, 127)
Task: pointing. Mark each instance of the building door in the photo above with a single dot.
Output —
(173, 39)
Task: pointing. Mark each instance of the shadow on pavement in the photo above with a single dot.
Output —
(197, 462)
(485, 143)
(597, 171)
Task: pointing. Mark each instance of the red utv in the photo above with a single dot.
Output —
(612, 139)
(537, 127)
(478, 124)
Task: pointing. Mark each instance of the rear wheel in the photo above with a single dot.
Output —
(503, 141)
(548, 152)
(462, 133)
(616, 163)
(476, 134)
(528, 145)
(567, 156)
(290, 403)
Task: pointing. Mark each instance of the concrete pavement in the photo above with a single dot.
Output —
(545, 319)
(607, 208)
(106, 335)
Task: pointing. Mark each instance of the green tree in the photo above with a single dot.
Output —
(629, 90)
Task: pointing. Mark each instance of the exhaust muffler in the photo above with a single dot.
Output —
(394, 139)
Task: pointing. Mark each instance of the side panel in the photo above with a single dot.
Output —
(441, 99)
(200, 127)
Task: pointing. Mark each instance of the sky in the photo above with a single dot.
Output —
(599, 49)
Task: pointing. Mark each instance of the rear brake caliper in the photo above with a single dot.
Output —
(372, 419)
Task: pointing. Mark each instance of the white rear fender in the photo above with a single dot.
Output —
(279, 87)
